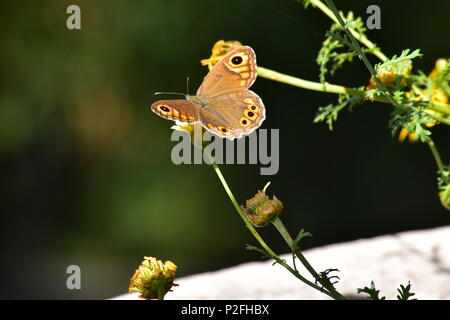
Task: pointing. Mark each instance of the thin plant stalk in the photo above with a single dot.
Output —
(436, 155)
(337, 89)
(286, 236)
(269, 251)
(360, 37)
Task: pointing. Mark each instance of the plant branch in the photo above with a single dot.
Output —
(360, 37)
(305, 84)
(436, 155)
(337, 89)
(372, 71)
(269, 251)
(286, 236)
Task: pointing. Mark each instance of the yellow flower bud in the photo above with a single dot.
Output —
(439, 66)
(153, 278)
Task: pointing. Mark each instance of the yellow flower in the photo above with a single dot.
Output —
(261, 210)
(388, 75)
(439, 66)
(411, 135)
(195, 130)
(219, 49)
(153, 278)
(437, 97)
(184, 126)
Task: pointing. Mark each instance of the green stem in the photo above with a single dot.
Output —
(360, 37)
(357, 47)
(287, 237)
(305, 84)
(238, 209)
(436, 155)
(372, 71)
(441, 109)
(261, 241)
(337, 89)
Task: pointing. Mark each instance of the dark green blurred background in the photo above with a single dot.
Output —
(86, 175)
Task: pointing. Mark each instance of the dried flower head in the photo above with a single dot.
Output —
(261, 210)
(153, 279)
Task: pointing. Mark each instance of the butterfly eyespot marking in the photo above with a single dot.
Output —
(163, 108)
(244, 121)
(249, 114)
(253, 107)
(236, 60)
(223, 129)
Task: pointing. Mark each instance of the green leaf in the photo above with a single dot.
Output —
(337, 49)
(264, 253)
(329, 113)
(372, 292)
(326, 280)
(444, 179)
(302, 234)
(405, 292)
(395, 63)
(414, 120)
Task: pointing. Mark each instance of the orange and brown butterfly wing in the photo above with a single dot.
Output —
(226, 108)
(236, 71)
(181, 110)
(233, 115)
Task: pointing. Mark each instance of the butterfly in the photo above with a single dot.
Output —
(223, 104)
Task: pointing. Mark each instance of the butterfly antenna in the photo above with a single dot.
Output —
(187, 85)
(177, 93)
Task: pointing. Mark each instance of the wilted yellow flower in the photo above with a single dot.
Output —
(153, 279)
(261, 210)
(219, 49)
(437, 97)
(411, 135)
(388, 75)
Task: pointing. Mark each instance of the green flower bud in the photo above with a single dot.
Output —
(444, 196)
(261, 210)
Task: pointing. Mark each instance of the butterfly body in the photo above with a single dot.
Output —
(223, 104)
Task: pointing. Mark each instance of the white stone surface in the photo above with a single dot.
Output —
(422, 257)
